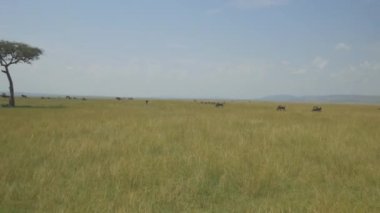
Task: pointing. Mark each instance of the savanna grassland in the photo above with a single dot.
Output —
(183, 156)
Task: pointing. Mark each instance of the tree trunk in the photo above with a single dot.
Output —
(11, 91)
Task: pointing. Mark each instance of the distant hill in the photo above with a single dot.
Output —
(364, 99)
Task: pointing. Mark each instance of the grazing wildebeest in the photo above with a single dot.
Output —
(42, 97)
(24, 96)
(68, 97)
(316, 109)
(219, 104)
(118, 98)
(281, 108)
(83, 99)
(146, 102)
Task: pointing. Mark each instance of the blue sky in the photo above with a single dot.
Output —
(196, 49)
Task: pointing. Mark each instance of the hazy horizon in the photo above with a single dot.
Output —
(233, 49)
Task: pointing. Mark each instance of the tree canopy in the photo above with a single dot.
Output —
(16, 52)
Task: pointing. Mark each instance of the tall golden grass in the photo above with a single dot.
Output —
(182, 156)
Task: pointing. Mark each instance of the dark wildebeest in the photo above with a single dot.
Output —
(316, 109)
(118, 98)
(281, 108)
(219, 104)
(4, 95)
(146, 102)
(68, 97)
(24, 96)
(83, 99)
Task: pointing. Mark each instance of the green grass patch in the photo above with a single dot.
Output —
(181, 156)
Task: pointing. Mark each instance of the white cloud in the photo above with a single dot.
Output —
(285, 62)
(246, 4)
(298, 72)
(319, 62)
(342, 46)
(214, 11)
(365, 64)
(370, 65)
(177, 46)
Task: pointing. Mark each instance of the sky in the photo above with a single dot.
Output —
(235, 49)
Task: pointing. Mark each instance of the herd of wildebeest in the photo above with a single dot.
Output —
(216, 104)
(279, 107)
(314, 109)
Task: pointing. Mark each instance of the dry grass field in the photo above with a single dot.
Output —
(183, 156)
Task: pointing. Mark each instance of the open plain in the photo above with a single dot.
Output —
(61, 155)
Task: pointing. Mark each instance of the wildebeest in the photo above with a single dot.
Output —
(83, 99)
(316, 109)
(4, 95)
(68, 97)
(118, 98)
(281, 108)
(24, 96)
(146, 102)
(219, 104)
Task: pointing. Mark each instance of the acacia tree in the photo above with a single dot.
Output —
(14, 53)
